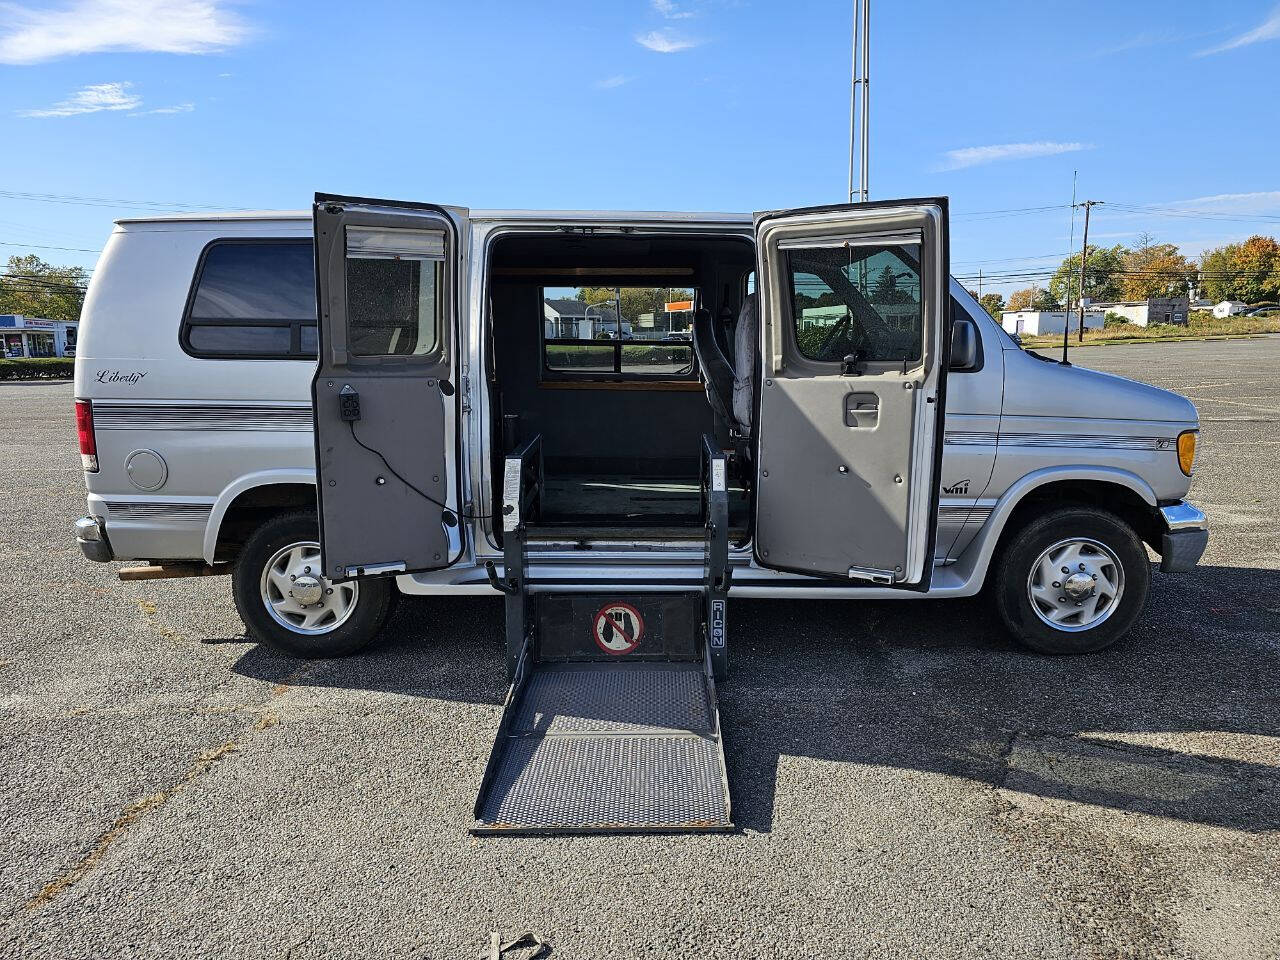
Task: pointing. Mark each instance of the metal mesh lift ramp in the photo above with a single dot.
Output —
(611, 723)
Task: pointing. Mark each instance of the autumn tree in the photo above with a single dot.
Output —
(37, 289)
(1032, 298)
(1103, 275)
(1256, 262)
(1155, 270)
(993, 303)
(1248, 271)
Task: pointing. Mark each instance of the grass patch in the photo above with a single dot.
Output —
(1201, 323)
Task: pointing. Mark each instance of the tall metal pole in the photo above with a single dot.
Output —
(1084, 258)
(866, 100)
(853, 94)
(1066, 307)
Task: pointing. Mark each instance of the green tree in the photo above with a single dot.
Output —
(37, 289)
(993, 303)
(1103, 275)
(1217, 273)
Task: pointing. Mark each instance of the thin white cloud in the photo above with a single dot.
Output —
(92, 26)
(670, 10)
(92, 99)
(1253, 202)
(1146, 38)
(1269, 29)
(176, 108)
(665, 41)
(996, 152)
(611, 83)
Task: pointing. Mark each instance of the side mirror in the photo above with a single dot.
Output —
(964, 344)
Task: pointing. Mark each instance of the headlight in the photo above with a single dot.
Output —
(1187, 450)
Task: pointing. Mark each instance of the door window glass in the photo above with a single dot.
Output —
(618, 333)
(394, 295)
(860, 301)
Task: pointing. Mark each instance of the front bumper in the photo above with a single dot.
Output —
(92, 539)
(1186, 535)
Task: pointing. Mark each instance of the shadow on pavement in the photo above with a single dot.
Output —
(938, 686)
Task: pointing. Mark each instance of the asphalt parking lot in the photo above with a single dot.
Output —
(908, 783)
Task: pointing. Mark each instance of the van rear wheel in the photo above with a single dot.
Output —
(1072, 581)
(285, 601)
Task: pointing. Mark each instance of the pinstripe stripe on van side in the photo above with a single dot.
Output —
(182, 416)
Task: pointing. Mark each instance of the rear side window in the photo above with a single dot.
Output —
(253, 299)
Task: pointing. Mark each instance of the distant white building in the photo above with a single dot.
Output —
(1141, 313)
(36, 337)
(576, 320)
(1031, 323)
(1229, 308)
(895, 313)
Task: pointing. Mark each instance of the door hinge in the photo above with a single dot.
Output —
(466, 394)
(376, 569)
(886, 577)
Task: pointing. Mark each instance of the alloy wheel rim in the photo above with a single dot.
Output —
(1075, 584)
(298, 597)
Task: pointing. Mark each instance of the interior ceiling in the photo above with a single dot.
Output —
(655, 255)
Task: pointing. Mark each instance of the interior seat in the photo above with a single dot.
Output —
(746, 338)
(717, 371)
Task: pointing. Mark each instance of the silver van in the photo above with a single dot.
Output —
(616, 421)
(881, 436)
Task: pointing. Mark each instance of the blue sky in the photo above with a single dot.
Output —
(1166, 109)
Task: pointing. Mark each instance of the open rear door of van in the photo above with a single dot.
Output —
(855, 341)
(389, 296)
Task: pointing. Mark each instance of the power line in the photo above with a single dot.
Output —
(1193, 214)
(38, 246)
(158, 205)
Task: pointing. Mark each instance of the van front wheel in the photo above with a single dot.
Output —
(1072, 581)
(284, 600)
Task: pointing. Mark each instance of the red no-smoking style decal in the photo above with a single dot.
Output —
(618, 628)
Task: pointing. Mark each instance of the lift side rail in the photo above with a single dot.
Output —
(715, 496)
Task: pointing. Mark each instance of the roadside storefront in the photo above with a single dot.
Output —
(37, 337)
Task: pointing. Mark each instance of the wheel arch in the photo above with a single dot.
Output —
(243, 504)
(1121, 492)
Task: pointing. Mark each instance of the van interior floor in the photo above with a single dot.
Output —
(612, 506)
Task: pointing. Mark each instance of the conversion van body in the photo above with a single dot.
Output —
(884, 438)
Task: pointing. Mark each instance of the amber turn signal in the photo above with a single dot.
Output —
(1187, 450)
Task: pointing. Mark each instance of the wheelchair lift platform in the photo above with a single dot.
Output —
(611, 723)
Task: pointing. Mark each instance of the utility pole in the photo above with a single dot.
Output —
(1066, 327)
(853, 94)
(865, 172)
(859, 99)
(1084, 258)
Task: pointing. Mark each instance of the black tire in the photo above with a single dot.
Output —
(370, 609)
(1022, 553)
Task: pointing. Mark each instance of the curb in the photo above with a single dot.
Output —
(1139, 340)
